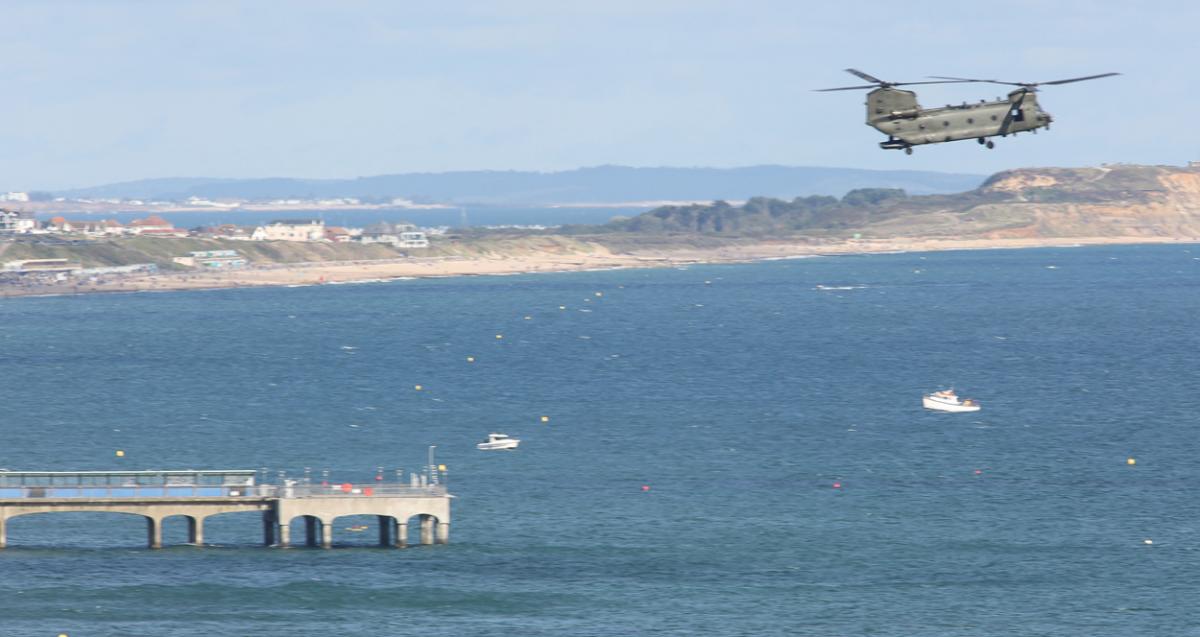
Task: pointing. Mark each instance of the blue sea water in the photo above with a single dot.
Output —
(738, 394)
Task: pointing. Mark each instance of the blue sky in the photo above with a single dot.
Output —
(104, 91)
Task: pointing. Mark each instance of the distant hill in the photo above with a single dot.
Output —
(1111, 201)
(600, 184)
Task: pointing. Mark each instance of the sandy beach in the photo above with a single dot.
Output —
(357, 271)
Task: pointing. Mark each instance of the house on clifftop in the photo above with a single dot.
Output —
(294, 230)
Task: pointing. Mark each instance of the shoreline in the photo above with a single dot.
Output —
(344, 272)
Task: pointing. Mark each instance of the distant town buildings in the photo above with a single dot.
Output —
(16, 222)
(401, 235)
(152, 225)
(295, 230)
(339, 235)
(213, 259)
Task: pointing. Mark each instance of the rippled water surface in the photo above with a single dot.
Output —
(684, 484)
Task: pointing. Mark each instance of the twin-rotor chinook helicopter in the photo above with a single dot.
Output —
(897, 114)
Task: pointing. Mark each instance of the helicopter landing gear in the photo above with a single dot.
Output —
(990, 144)
(908, 150)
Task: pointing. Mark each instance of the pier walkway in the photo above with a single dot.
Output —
(197, 495)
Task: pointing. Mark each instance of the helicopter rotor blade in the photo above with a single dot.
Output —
(1029, 84)
(885, 84)
(955, 81)
(963, 79)
(865, 76)
(1079, 79)
(846, 88)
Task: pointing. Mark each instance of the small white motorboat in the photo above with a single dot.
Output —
(947, 400)
(496, 442)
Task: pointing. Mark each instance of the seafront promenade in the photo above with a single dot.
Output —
(198, 495)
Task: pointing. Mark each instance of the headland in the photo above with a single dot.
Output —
(1118, 204)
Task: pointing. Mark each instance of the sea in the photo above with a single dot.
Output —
(726, 449)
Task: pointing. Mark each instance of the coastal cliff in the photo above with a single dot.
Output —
(1119, 201)
(1013, 209)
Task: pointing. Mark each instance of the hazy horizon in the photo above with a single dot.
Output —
(117, 91)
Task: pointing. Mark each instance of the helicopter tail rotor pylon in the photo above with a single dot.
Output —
(1013, 111)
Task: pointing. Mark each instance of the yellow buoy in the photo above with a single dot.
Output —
(470, 359)
(417, 387)
(545, 418)
(1130, 461)
(441, 467)
(120, 453)
(499, 336)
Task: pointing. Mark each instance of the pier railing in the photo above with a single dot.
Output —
(390, 490)
(106, 492)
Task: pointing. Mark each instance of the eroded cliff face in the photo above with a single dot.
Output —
(1016, 181)
(1110, 201)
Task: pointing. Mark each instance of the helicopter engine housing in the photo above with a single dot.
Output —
(886, 104)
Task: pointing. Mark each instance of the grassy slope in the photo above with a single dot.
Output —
(160, 250)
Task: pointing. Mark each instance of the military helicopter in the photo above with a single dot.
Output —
(897, 114)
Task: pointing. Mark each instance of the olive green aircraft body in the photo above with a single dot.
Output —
(896, 113)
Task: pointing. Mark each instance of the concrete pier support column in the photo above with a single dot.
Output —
(310, 530)
(3, 532)
(426, 529)
(326, 534)
(385, 530)
(443, 533)
(154, 532)
(196, 530)
(268, 521)
(285, 534)
(400, 533)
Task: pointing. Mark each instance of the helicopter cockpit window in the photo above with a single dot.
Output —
(1018, 115)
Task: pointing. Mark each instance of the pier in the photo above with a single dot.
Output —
(197, 495)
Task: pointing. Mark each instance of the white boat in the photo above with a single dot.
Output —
(947, 400)
(498, 441)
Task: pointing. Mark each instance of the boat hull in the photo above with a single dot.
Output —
(498, 445)
(937, 405)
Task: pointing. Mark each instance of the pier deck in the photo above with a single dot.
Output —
(197, 495)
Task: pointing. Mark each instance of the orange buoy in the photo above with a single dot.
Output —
(347, 487)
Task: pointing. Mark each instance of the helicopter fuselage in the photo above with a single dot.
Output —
(896, 113)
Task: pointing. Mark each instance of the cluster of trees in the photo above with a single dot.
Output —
(764, 216)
